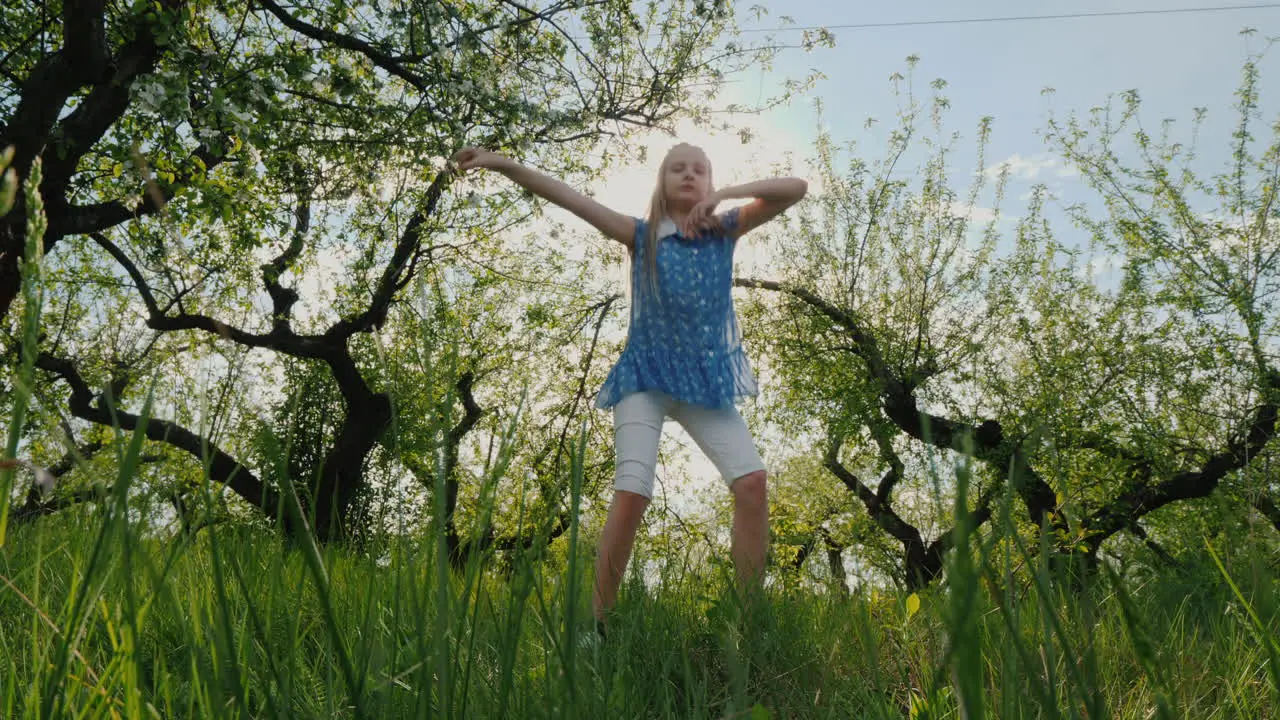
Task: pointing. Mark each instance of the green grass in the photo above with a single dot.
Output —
(96, 620)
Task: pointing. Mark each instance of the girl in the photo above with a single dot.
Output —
(683, 358)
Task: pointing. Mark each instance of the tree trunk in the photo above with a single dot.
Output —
(835, 561)
(342, 479)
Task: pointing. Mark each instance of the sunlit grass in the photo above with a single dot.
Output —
(97, 618)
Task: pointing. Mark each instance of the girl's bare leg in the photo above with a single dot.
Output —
(616, 541)
(750, 529)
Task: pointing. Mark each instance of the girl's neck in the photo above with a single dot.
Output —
(677, 214)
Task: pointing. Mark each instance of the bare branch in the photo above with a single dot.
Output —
(283, 298)
(379, 58)
(221, 467)
(396, 273)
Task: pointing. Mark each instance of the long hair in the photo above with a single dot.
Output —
(658, 213)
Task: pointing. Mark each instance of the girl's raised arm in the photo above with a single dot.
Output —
(772, 197)
(610, 222)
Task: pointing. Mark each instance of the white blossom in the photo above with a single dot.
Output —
(44, 479)
(150, 96)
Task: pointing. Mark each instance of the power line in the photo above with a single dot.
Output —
(1016, 18)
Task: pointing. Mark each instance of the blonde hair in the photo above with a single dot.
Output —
(658, 212)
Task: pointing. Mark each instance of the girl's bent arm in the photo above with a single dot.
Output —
(772, 197)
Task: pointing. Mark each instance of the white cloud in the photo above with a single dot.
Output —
(1030, 168)
(976, 215)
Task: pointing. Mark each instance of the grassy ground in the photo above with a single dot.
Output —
(98, 621)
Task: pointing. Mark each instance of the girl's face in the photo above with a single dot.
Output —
(687, 178)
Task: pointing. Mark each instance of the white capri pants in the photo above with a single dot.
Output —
(637, 426)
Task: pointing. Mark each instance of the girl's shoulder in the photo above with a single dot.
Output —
(729, 221)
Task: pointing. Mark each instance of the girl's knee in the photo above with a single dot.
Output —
(630, 504)
(751, 487)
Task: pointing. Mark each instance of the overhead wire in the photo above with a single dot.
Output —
(1013, 18)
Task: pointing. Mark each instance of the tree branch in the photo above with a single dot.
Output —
(103, 106)
(279, 339)
(604, 308)
(898, 398)
(1269, 509)
(84, 35)
(283, 298)
(88, 219)
(891, 479)
(37, 504)
(472, 412)
(1145, 497)
(804, 551)
(984, 441)
(528, 540)
(882, 513)
(379, 58)
(221, 467)
(32, 130)
(1155, 547)
(835, 562)
(44, 93)
(36, 507)
(394, 276)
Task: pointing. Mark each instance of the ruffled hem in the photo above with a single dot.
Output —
(712, 379)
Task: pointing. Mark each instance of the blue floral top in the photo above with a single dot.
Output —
(686, 341)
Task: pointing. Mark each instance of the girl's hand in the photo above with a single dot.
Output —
(472, 157)
(701, 217)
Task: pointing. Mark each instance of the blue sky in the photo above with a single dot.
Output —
(1176, 61)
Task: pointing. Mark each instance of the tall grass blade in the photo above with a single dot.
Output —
(32, 302)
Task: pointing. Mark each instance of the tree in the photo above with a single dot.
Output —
(205, 161)
(911, 337)
(1201, 259)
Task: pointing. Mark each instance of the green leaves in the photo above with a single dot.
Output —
(242, 121)
(1121, 348)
